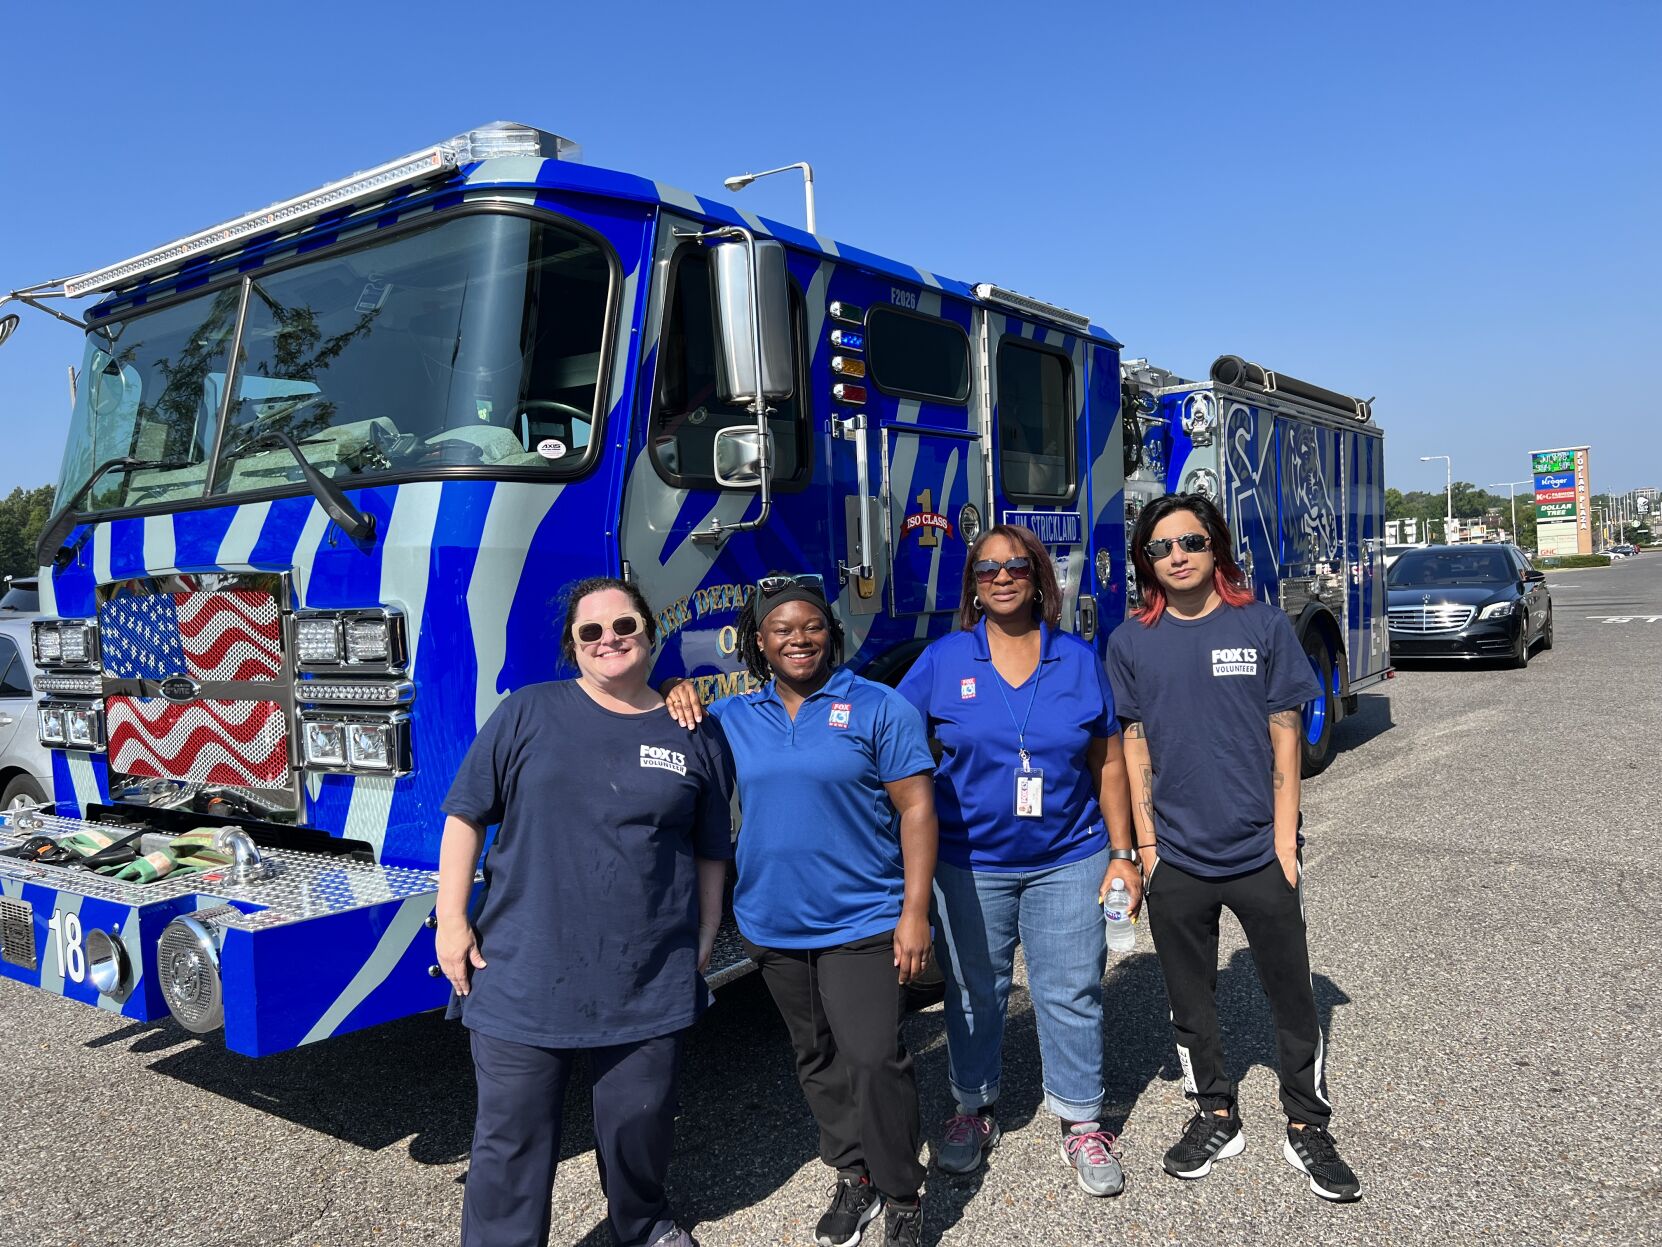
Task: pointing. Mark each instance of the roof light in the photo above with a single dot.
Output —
(500, 138)
(1033, 307)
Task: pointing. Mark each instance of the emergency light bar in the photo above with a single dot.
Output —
(500, 138)
(1033, 307)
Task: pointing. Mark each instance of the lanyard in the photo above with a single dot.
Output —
(1021, 728)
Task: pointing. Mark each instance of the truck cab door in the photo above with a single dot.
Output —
(1038, 443)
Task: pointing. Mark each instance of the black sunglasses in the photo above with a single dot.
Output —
(591, 630)
(1189, 543)
(986, 570)
(772, 586)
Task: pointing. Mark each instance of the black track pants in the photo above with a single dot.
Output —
(842, 1007)
(1183, 912)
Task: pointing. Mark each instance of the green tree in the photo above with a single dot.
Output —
(23, 513)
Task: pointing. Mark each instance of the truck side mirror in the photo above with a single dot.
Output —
(738, 457)
(738, 307)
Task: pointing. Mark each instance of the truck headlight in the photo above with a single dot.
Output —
(325, 744)
(84, 727)
(1497, 610)
(48, 644)
(370, 746)
(318, 639)
(49, 722)
(368, 640)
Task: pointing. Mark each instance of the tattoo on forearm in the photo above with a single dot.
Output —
(1145, 804)
(1280, 780)
(1134, 731)
(1286, 718)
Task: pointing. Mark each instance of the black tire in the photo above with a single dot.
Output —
(1321, 715)
(23, 790)
(1546, 632)
(1520, 655)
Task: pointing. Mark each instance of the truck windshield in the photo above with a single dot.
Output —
(476, 342)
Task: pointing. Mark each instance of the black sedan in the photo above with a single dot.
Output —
(1468, 602)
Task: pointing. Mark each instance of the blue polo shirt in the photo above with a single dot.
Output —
(819, 847)
(956, 688)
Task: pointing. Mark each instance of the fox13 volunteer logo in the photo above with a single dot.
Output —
(663, 759)
(1234, 662)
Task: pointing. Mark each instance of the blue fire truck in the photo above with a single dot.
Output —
(331, 462)
(1299, 472)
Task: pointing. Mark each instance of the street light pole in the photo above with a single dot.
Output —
(737, 184)
(1448, 488)
(1512, 491)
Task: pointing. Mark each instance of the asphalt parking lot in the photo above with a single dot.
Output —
(1486, 932)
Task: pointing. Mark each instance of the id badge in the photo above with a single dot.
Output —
(1030, 794)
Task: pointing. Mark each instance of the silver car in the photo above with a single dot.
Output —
(25, 764)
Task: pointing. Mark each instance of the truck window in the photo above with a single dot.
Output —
(918, 356)
(1035, 423)
(473, 343)
(476, 341)
(688, 410)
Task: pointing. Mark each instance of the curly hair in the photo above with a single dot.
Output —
(578, 590)
(749, 627)
(1047, 595)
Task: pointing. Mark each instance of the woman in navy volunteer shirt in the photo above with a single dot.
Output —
(603, 893)
(1211, 685)
(835, 852)
(1030, 761)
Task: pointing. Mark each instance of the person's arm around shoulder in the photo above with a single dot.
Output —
(455, 941)
(681, 698)
(906, 769)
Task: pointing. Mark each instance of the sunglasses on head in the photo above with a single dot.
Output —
(986, 570)
(1189, 543)
(591, 630)
(772, 586)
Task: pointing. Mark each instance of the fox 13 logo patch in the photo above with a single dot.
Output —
(1234, 662)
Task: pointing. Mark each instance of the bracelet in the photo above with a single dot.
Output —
(1150, 845)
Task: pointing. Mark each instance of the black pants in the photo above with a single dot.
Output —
(842, 1007)
(1183, 912)
(516, 1138)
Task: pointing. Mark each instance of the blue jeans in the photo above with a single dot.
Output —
(1055, 915)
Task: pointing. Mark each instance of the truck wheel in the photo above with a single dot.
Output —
(1321, 714)
(23, 791)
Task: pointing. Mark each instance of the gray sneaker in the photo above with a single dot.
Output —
(1093, 1155)
(676, 1238)
(966, 1141)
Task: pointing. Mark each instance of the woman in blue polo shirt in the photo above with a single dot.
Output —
(835, 856)
(1030, 760)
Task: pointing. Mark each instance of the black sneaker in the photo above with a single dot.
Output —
(1206, 1138)
(903, 1225)
(1312, 1151)
(854, 1202)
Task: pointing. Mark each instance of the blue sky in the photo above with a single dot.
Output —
(1450, 206)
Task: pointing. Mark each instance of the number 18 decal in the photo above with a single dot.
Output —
(66, 934)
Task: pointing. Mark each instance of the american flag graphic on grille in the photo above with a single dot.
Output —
(231, 635)
(204, 742)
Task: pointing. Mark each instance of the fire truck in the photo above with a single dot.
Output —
(1299, 472)
(330, 464)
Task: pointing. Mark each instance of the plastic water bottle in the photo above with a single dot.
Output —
(1116, 914)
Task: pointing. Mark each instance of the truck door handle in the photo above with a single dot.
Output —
(854, 429)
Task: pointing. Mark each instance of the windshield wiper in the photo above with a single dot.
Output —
(354, 523)
(66, 517)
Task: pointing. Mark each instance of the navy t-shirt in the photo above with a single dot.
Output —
(590, 915)
(819, 854)
(1204, 690)
(974, 714)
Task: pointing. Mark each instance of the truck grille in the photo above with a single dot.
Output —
(1433, 617)
(196, 682)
